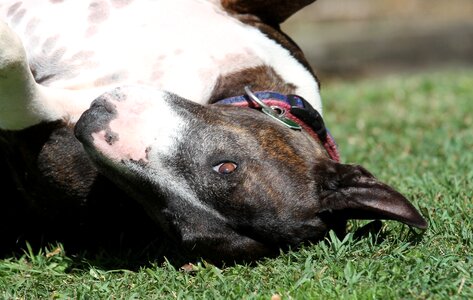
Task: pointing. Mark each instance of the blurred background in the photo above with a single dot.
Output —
(348, 39)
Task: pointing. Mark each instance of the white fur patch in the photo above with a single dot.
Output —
(145, 120)
(285, 65)
(181, 46)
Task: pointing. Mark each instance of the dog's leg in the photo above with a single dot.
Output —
(23, 102)
(17, 87)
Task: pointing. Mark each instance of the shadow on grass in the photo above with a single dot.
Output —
(124, 238)
(377, 234)
(138, 242)
(125, 250)
(109, 231)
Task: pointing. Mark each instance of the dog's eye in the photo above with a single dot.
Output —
(225, 167)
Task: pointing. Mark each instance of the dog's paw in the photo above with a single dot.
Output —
(12, 52)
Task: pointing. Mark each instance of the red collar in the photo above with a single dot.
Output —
(294, 111)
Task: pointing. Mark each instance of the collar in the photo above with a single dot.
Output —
(291, 110)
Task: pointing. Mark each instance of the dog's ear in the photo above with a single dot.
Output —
(269, 11)
(351, 192)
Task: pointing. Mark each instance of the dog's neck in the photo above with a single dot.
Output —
(291, 110)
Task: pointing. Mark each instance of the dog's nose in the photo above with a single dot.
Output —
(129, 122)
(97, 118)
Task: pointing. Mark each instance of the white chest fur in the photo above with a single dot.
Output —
(181, 46)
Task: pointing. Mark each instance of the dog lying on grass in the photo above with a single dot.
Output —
(203, 112)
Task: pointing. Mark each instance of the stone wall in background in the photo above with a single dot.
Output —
(353, 38)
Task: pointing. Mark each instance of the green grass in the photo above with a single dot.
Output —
(413, 131)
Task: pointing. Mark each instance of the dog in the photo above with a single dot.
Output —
(201, 111)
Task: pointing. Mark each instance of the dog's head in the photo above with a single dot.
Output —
(229, 182)
(232, 182)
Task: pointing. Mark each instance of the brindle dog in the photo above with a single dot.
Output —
(107, 104)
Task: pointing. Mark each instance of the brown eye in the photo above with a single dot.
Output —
(225, 167)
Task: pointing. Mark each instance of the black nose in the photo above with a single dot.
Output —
(97, 118)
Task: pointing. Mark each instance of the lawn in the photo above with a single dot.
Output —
(413, 131)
